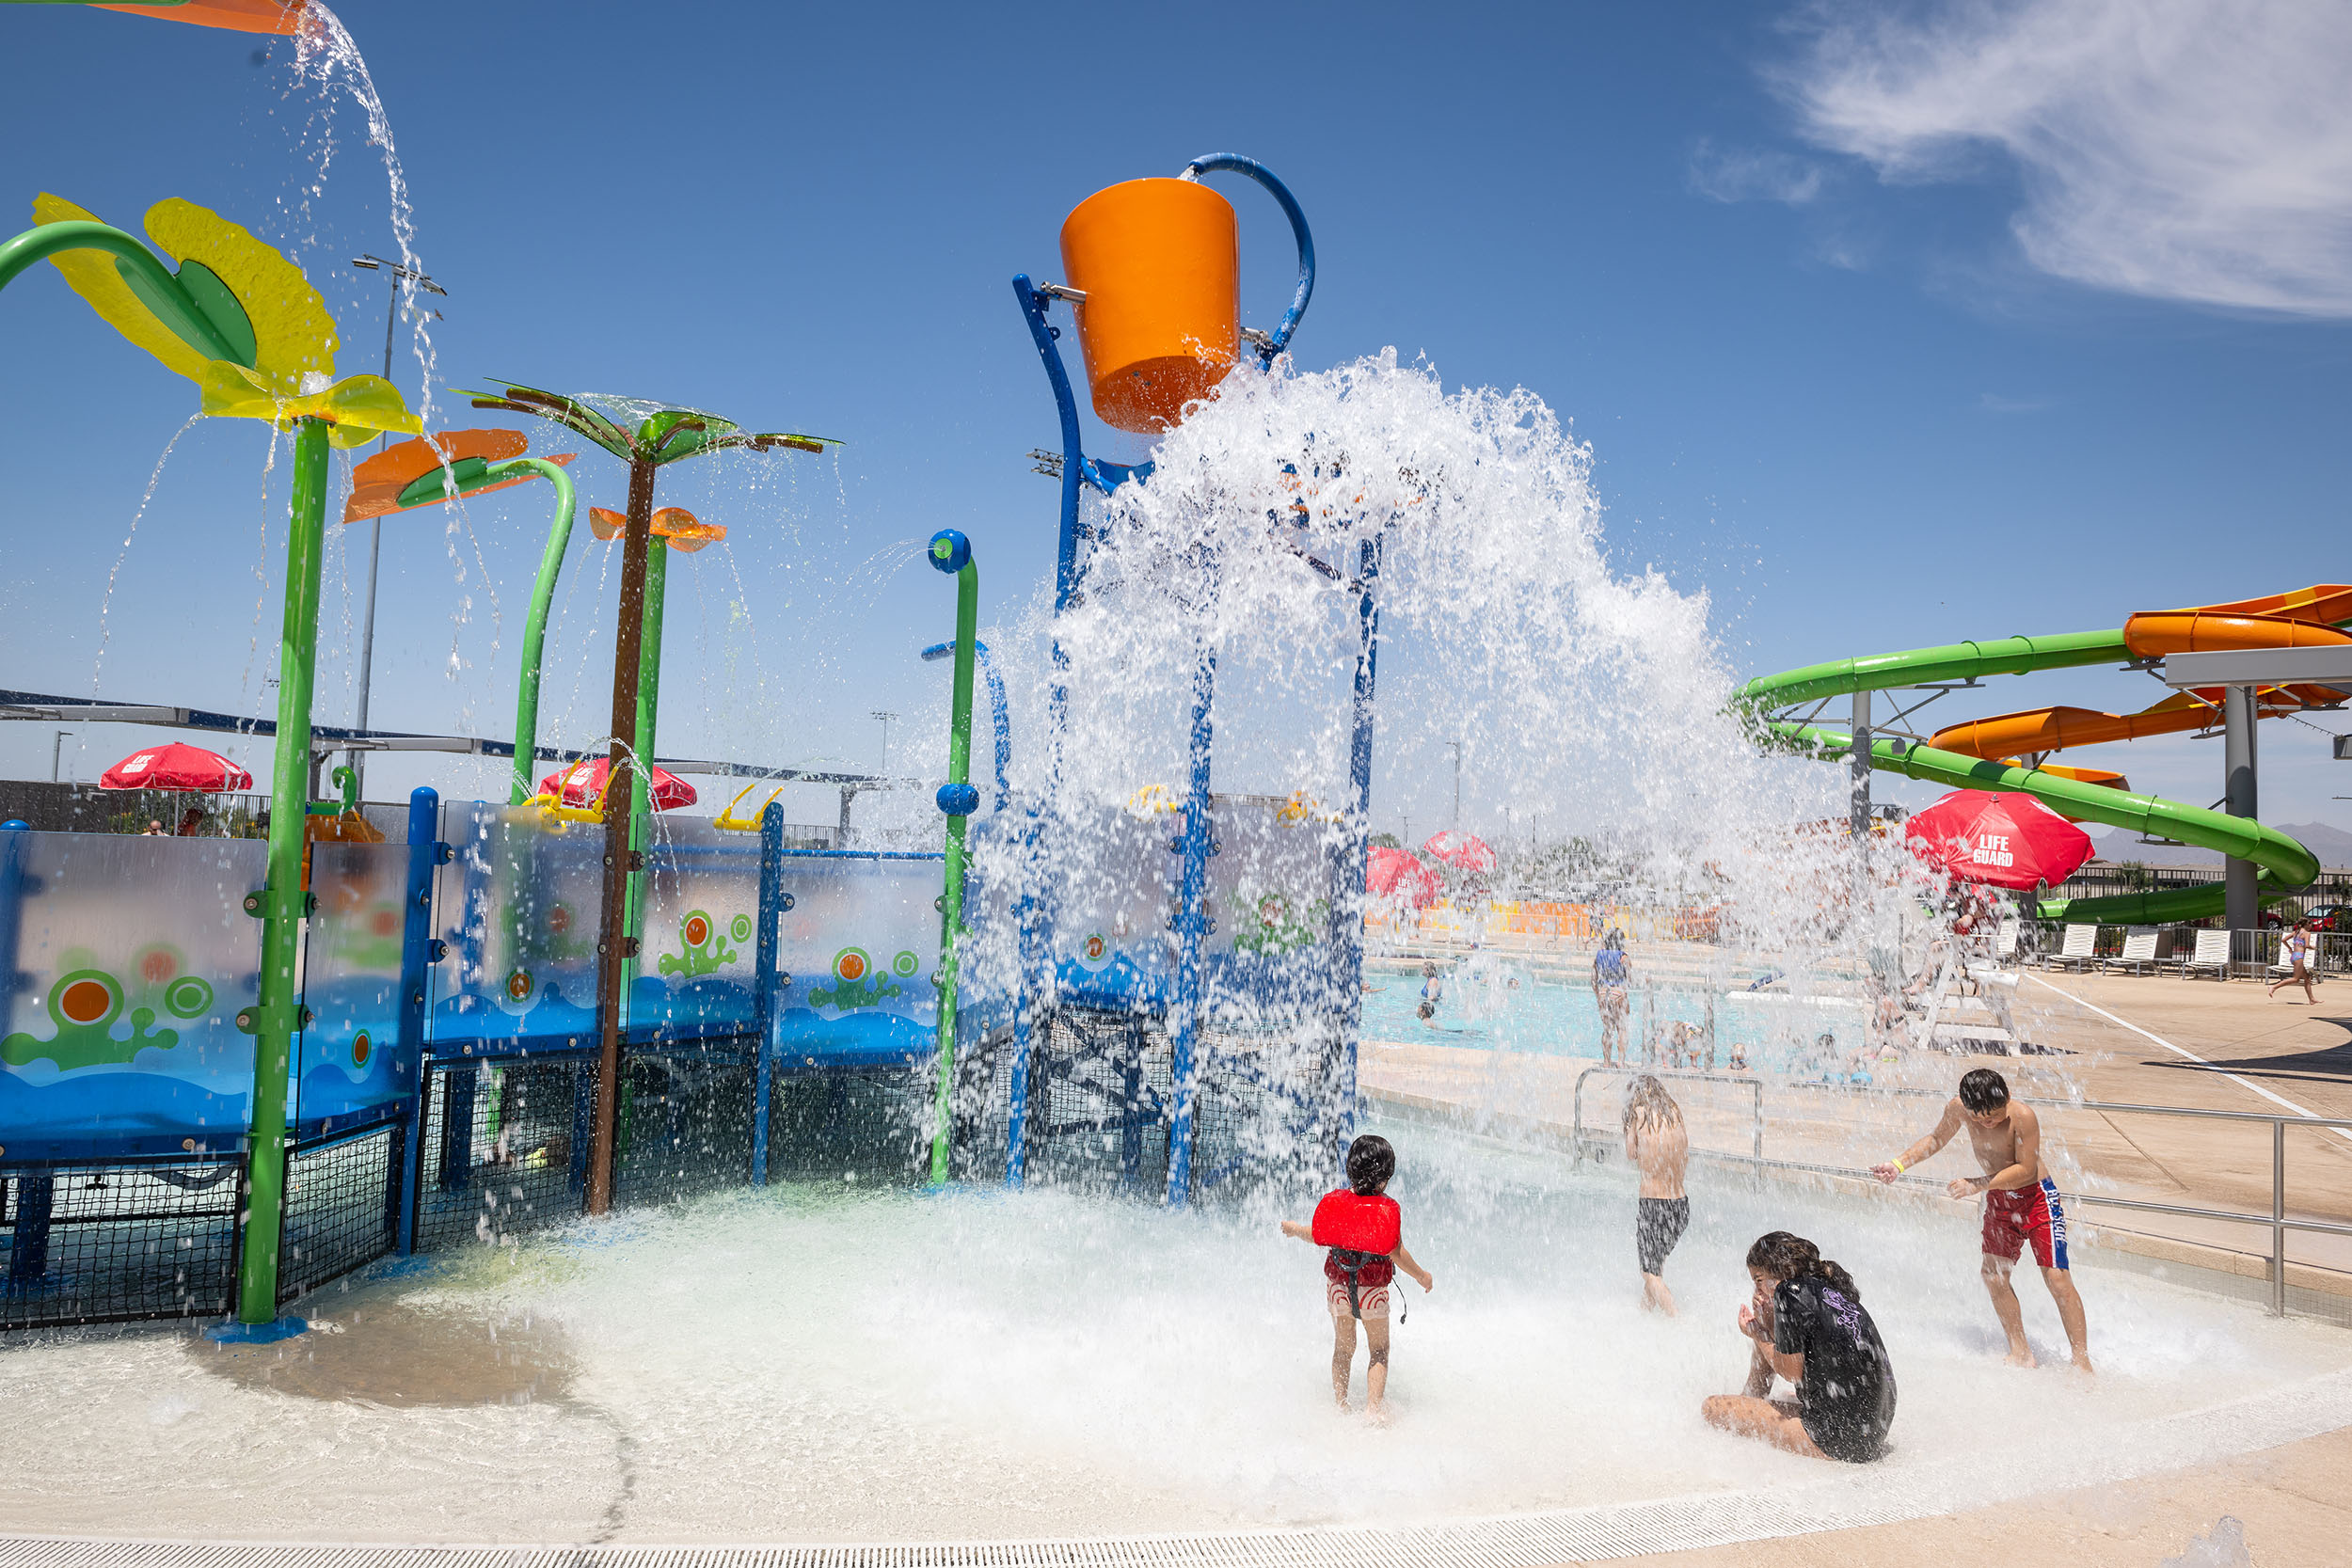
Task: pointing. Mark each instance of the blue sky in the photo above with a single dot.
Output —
(1888, 327)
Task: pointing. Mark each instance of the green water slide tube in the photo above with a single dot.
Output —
(2286, 865)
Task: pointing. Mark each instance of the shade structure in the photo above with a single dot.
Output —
(176, 767)
(1399, 875)
(2001, 839)
(669, 791)
(1461, 850)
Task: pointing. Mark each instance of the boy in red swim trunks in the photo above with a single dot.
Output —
(1356, 1278)
(2021, 1204)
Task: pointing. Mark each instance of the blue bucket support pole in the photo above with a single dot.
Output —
(416, 957)
(764, 983)
(1349, 908)
(1192, 927)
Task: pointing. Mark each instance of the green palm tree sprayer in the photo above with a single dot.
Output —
(659, 436)
(243, 322)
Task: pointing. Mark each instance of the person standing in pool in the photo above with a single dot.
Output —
(2021, 1204)
(1364, 1229)
(1659, 1145)
(1807, 1324)
(1610, 974)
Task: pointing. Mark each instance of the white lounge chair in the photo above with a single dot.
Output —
(2139, 951)
(2213, 951)
(2078, 949)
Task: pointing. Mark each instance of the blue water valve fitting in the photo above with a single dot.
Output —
(959, 799)
(951, 552)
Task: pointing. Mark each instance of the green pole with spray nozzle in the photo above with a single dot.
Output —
(276, 1018)
(951, 552)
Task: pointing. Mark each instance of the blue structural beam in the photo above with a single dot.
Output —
(425, 853)
(1348, 912)
(764, 983)
(1192, 929)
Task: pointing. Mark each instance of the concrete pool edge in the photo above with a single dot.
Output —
(1878, 1494)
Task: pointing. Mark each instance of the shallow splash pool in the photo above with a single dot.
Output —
(1506, 1008)
(831, 1362)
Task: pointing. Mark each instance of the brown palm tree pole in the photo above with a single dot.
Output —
(664, 435)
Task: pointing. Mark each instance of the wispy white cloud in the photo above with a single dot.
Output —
(2188, 150)
(1753, 174)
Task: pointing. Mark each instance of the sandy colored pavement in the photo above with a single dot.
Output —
(2290, 1502)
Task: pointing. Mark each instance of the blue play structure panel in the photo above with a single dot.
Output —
(806, 1040)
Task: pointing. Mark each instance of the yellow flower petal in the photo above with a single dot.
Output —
(92, 275)
(360, 407)
(292, 331)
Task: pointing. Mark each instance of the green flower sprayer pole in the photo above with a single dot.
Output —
(648, 703)
(277, 1016)
(536, 627)
(950, 551)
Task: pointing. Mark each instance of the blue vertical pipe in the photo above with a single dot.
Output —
(36, 1195)
(1350, 908)
(764, 982)
(416, 956)
(1030, 954)
(1192, 923)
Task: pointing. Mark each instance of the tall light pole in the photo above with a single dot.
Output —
(376, 524)
(885, 719)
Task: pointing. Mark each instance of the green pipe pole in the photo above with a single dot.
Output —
(944, 550)
(648, 702)
(277, 1016)
(535, 626)
(156, 286)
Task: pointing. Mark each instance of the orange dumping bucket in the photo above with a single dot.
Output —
(1159, 262)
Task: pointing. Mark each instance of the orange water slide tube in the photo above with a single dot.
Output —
(283, 17)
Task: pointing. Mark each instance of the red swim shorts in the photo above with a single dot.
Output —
(2028, 1214)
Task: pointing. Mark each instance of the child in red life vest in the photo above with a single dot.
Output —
(1364, 1230)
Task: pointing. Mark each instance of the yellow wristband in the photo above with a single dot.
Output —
(1899, 1167)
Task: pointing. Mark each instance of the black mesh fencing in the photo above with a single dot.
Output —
(343, 1207)
(685, 1120)
(107, 1242)
(1267, 1110)
(504, 1148)
(865, 1125)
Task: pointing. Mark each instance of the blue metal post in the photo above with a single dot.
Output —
(764, 982)
(416, 957)
(29, 1246)
(1348, 909)
(1192, 926)
(1031, 951)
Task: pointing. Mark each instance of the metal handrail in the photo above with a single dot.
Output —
(1576, 1140)
(2277, 1219)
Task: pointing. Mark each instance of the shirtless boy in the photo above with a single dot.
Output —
(2021, 1204)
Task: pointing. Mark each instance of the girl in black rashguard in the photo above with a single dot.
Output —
(1808, 1325)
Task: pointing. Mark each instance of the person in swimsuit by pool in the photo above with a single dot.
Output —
(1659, 1145)
(1808, 1325)
(1611, 974)
(2021, 1204)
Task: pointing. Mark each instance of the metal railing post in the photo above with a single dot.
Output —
(2279, 1216)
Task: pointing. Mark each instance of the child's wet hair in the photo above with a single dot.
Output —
(1648, 1102)
(1781, 1255)
(1370, 1163)
(1983, 1090)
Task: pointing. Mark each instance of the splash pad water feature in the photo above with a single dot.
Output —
(1159, 993)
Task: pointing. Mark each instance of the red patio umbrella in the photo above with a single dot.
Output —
(1398, 874)
(669, 791)
(2005, 839)
(1465, 851)
(176, 767)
